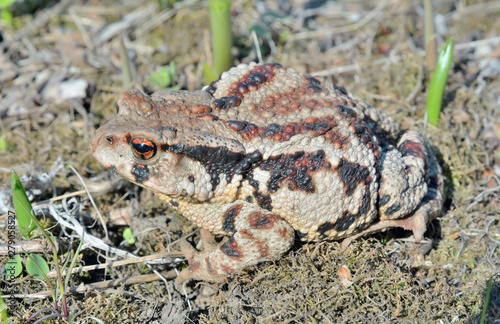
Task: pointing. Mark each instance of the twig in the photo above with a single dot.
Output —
(257, 47)
(82, 288)
(36, 246)
(341, 29)
(157, 258)
(357, 66)
(99, 215)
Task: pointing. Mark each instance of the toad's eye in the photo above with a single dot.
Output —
(143, 148)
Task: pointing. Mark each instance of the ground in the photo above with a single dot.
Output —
(62, 70)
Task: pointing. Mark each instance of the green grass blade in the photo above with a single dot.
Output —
(73, 261)
(438, 82)
(220, 18)
(22, 206)
(486, 301)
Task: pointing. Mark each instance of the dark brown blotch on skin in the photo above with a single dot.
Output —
(296, 168)
(228, 218)
(216, 160)
(352, 175)
(342, 223)
(391, 210)
(384, 199)
(140, 172)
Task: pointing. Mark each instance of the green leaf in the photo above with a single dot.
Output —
(13, 267)
(7, 17)
(3, 311)
(260, 31)
(6, 3)
(22, 206)
(438, 82)
(208, 73)
(128, 235)
(37, 266)
(161, 78)
(171, 69)
(3, 143)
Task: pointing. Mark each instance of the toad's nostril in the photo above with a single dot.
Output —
(111, 140)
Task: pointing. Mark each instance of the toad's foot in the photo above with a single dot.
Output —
(259, 236)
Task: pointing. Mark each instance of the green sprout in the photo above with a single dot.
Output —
(438, 82)
(220, 18)
(486, 301)
(165, 78)
(36, 265)
(22, 206)
(128, 235)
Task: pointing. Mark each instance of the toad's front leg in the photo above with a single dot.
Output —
(256, 235)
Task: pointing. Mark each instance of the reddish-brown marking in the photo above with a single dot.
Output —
(227, 270)
(194, 267)
(263, 248)
(412, 148)
(283, 232)
(208, 117)
(246, 234)
(231, 249)
(282, 133)
(128, 138)
(259, 220)
(258, 76)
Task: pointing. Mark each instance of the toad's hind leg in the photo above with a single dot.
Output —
(257, 235)
(411, 189)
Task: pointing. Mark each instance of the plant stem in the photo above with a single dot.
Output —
(220, 17)
(438, 82)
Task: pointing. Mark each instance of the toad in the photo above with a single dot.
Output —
(266, 156)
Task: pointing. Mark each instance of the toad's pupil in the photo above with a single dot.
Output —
(142, 148)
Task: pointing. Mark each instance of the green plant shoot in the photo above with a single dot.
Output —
(486, 301)
(220, 18)
(164, 77)
(438, 82)
(128, 235)
(22, 206)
